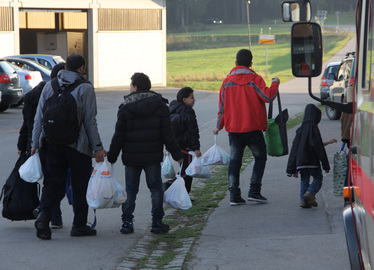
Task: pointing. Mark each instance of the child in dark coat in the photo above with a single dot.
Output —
(306, 156)
(188, 139)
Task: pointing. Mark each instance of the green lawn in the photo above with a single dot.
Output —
(206, 69)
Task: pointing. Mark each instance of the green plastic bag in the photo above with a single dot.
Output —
(276, 133)
(273, 139)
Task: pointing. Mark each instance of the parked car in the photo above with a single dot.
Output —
(31, 65)
(328, 78)
(11, 91)
(47, 60)
(28, 79)
(341, 82)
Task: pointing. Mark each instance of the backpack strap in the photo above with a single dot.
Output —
(55, 85)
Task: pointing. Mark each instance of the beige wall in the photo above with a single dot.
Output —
(131, 51)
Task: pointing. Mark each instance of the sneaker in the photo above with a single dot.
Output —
(310, 199)
(304, 204)
(56, 224)
(257, 198)
(237, 201)
(159, 227)
(42, 226)
(85, 231)
(127, 227)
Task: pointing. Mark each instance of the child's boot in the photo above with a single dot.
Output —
(310, 199)
(304, 204)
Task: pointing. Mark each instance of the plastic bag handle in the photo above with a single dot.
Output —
(215, 139)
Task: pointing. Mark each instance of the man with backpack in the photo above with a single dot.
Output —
(66, 118)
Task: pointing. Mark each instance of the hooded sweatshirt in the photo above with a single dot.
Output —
(84, 94)
(242, 101)
(307, 150)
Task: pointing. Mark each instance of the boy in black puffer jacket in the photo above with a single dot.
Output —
(143, 128)
(188, 133)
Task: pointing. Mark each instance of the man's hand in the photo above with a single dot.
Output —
(100, 155)
(215, 131)
(180, 160)
(198, 153)
(34, 150)
(276, 79)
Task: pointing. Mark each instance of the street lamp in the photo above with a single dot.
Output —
(249, 26)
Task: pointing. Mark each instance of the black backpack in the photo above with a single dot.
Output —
(178, 123)
(20, 197)
(60, 120)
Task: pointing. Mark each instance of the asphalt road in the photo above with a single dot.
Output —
(20, 249)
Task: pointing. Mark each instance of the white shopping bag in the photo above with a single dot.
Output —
(176, 195)
(167, 168)
(196, 169)
(215, 155)
(103, 190)
(31, 170)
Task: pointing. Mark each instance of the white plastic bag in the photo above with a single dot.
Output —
(167, 167)
(215, 155)
(176, 195)
(31, 170)
(103, 190)
(196, 169)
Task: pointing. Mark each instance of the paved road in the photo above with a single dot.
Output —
(20, 249)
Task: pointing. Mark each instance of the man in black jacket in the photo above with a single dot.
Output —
(143, 128)
(25, 136)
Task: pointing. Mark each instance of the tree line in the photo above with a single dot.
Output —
(181, 13)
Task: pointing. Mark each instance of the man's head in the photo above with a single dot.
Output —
(140, 81)
(75, 62)
(56, 69)
(244, 58)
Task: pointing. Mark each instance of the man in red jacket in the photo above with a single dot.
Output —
(242, 112)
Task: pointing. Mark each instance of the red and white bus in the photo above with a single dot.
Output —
(359, 189)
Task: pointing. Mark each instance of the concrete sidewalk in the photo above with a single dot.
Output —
(279, 234)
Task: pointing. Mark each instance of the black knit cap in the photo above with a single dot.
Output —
(244, 57)
(56, 69)
(75, 61)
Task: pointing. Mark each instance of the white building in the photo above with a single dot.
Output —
(117, 37)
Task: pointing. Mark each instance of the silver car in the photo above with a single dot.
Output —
(9, 86)
(28, 78)
(47, 60)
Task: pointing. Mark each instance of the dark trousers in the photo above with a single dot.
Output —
(59, 158)
(187, 159)
(154, 183)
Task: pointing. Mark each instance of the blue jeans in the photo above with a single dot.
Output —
(154, 183)
(305, 178)
(238, 141)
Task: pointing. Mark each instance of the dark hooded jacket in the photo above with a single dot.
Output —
(189, 139)
(29, 109)
(143, 128)
(307, 149)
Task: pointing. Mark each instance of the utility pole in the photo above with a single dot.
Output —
(249, 25)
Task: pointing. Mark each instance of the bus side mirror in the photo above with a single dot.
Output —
(306, 49)
(296, 11)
